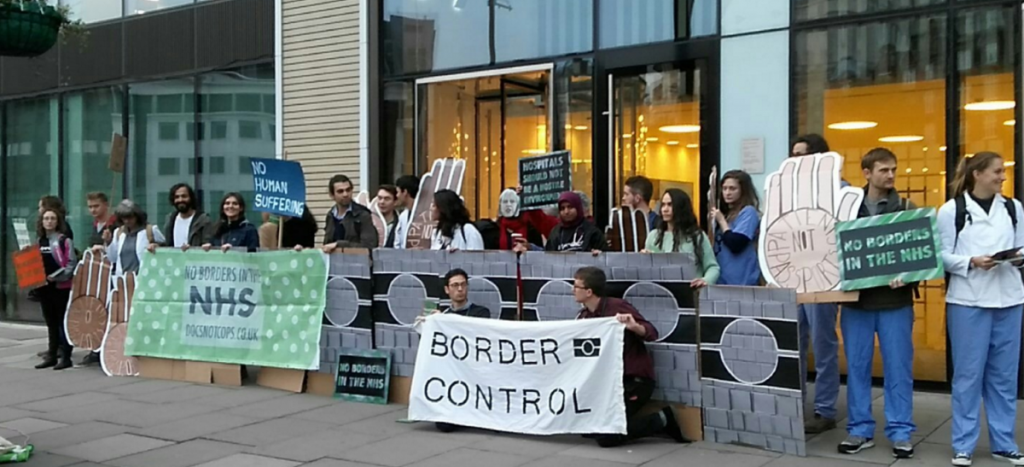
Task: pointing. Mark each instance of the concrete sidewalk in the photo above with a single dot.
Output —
(81, 417)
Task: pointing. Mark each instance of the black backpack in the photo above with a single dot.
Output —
(490, 232)
(962, 217)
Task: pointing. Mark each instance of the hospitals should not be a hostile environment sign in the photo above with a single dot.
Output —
(538, 378)
(261, 309)
(875, 250)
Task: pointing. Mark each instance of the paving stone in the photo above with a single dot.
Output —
(328, 462)
(468, 456)
(66, 402)
(187, 393)
(104, 449)
(196, 427)
(328, 443)
(46, 459)
(249, 460)
(180, 455)
(270, 431)
(30, 426)
(75, 434)
(282, 406)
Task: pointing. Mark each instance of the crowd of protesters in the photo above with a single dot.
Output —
(983, 302)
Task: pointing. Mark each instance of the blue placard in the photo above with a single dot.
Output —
(280, 187)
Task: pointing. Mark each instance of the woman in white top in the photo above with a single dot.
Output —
(131, 240)
(983, 305)
(454, 230)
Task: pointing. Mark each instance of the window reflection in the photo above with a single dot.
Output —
(158, 145)
(138, 7)
(818, 9)
(630, 22)
(883, 84)
(539, 28)
(91, 11)
(425, 35)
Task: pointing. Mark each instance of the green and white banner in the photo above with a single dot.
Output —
(260, 309)
(875, 250)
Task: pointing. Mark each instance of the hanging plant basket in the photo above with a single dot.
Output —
(29, 28)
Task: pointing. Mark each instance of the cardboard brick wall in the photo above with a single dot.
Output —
(348, 318)
(750, 368)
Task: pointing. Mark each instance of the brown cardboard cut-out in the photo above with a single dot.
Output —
(803, 202)
(161, 368)
(321, 384)
(399, 391)
(628, 230)
(445, 174)
(281, 378)
(85, 322)
(212, 373)
(112, 356)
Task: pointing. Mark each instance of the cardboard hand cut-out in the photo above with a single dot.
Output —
(803, 202)
(445, 174)
(112, 357)
(85, 323)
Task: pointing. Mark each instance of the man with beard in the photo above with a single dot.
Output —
(185, 227)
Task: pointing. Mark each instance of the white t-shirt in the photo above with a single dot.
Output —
(181, 227)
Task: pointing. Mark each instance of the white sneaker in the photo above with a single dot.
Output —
(1013, 457)
(962, 459)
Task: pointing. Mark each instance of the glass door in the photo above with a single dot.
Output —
(656, 129)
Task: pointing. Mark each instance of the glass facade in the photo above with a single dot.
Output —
(629, 22)
(91, 11)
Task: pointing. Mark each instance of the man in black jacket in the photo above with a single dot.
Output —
(349, 224)
(889, 312)
(186, 226)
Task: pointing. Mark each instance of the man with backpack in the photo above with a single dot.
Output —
(887, 311)
(349, 224)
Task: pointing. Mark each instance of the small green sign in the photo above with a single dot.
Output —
(875, 250)
(363, 376)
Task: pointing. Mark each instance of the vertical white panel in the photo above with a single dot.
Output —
(747, 16)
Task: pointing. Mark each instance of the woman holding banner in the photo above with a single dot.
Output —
(679, 232)
(59, 262)
(736, 226)
(981, 237)
(233, 230)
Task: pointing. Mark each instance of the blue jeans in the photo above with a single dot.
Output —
(818, 324)
(986, 352)
(895, 329)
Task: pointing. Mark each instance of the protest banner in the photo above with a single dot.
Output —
(539, 378)
(280, 187)
(544, 179)
(28, 266)
(244, 308)
(118, 153)
(875, 250)
(21, 233)
(363, 376)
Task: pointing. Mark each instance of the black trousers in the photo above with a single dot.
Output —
(54, 303)
(637, 392)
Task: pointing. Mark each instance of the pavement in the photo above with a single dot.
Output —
(80, 417)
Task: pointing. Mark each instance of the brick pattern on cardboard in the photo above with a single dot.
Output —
(738, 413)
(342, 308)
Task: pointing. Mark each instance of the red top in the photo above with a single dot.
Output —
(636, 361)
(536, 218)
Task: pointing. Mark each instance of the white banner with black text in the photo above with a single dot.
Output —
(540, 378)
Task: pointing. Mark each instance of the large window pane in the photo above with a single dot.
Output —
(158, 143)
(631, 22)
(138, 7)
(398, 139)
(425, 35)
(238, 132)
(985, 44)
(818, 9)
(527, 29)
(90, 11)
(883, 84)
(574, 85)
(90, 118)
(31, 173)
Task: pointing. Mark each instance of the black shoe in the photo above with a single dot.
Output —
(47, 363)
(91, 358)
(819, 424)
(672, 426)
(64, 363)
(902, 450)
(854, 444)
(446, 427)
(42, 354)
(1013, 457)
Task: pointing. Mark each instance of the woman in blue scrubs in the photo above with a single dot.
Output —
(983, 305)
(736, 228)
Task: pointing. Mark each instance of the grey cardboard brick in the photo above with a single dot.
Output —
(696, 400)
(764, 404)
(387, 338)
(363, 341)
(410, 355)
(721, 308)
(752, 423)
(679, 380)
(781, 426)
(791, 311)
(663, 359)
(708, 395)
(784, 295)
(740, 400)
(788, 406)
(795, 448)
(673, 395)
(717, 418)
(726, 436)
(773, 310)
(736, 421)
(671, 274)
(732, 308)
(348, 340)
(753, 439)
(693, 381)
(763, 294)
(798, 429)
(775, 443)
(721, 398)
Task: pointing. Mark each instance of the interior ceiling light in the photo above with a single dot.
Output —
(672, 143)
(942, 148)
(1010, 122)
(990, 105)
(1009, 164)
(582, 128)
(652, 140)
(534, 151)
(627, 136)
(853, 125)
(692, 146)
(680, 129)
(901, 139)
(568, 126)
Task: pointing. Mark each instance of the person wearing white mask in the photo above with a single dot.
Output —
(981, 238)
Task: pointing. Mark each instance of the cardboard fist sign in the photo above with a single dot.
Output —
(804, 201)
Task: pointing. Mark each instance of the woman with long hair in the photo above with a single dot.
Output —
(59, 262)
(983, 304)
(736, 226)
(233, 230)
(454, 231)
(679, 232)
